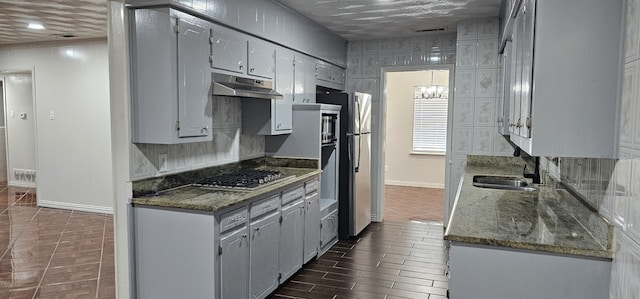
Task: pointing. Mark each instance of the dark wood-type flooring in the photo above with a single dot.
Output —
(392, 259)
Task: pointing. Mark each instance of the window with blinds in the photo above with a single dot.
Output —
(430, 107)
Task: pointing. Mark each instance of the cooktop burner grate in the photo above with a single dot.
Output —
(243, 179)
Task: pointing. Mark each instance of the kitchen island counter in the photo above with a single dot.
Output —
(549, 220)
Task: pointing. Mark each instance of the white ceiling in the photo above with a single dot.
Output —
(378, 19)
(352, 19)
(63, 19)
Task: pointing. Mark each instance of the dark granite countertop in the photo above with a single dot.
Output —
(549, 220)
(187, 196)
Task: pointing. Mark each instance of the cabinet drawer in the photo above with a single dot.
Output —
(311, 186)
(292, 194)
(233, 219)
(264, 206)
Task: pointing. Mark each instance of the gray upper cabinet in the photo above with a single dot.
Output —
(305, 80)
(237, 53)
(329, 75)
(261, 59)
(269, 20)
(284, 85)
(171, 77)
(194, 79)
(255, 116)
(228, 50)
(565, 83)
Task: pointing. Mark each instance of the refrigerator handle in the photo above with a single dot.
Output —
(358, 112)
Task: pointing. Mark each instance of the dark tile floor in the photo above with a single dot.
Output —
(392, 259)
(52, 253)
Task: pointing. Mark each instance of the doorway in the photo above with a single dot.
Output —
(416, 121)
(18, 128)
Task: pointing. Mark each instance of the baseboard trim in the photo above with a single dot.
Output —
(75, 207)
(21, 184)
(415, 184)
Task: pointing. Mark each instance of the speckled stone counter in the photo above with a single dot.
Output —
(176, 191)
(549, 220)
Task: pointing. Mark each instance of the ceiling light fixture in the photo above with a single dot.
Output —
(35, 26)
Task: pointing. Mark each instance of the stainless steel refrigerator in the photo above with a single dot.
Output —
(354, 197)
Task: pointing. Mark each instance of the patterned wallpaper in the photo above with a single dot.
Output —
(475, 108)
(228, 145)
(364, 62)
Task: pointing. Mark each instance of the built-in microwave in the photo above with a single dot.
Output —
(329, 128)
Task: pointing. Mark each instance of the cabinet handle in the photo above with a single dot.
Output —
(252, 69)
(528, 121)
(241, 66)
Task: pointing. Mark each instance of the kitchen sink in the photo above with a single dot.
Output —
(502, 182)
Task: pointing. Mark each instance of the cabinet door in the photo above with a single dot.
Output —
(517, 82)
(323, 72)
(338, 75)
(328, 229)
(261, 59)
(291, 239)
(194, 80)
(528, 22)
(311, 226)
(305, 78)
(504, 95)
(228, 51)
(263, 259)
(233, 265)
(284, 85)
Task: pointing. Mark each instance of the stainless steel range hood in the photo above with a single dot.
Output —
(234, 86)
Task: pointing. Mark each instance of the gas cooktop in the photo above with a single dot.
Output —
(246, 179)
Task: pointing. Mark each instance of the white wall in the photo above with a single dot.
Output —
(402, 166)
(21, 134)
(74, 153)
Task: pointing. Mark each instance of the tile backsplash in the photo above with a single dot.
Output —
(229, 145)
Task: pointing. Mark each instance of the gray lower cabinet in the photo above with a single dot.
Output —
(234, 267)
(233, 254)
(485, 272)
(311, 220)
(291, 238)
(263, 255)
(171, 77)
(164, 266)
(328, 230)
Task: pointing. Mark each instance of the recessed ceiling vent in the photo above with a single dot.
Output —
(430, 30)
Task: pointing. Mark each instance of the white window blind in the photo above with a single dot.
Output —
(430, 122)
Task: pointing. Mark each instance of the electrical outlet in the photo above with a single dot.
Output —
(162, 163)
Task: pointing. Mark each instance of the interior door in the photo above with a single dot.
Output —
(194, 81)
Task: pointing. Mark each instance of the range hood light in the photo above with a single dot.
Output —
(35, 26)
